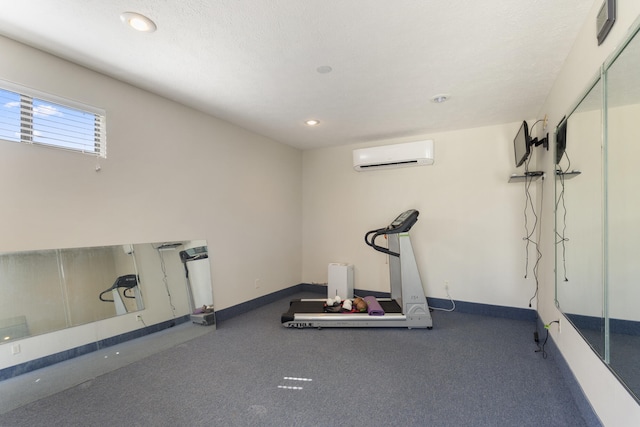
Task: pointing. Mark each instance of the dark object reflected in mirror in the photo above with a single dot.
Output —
(561, 140)
(124, 287)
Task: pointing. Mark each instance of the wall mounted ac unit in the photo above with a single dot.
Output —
(418, 153)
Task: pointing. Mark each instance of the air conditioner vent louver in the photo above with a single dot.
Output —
(377, 165)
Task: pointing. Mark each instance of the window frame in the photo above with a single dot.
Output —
(26, 119)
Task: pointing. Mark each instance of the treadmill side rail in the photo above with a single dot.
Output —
(351, 320)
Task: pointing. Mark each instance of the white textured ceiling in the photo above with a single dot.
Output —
(254, 62)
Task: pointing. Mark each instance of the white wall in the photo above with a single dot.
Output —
(471, 222)
(612, 402)
(172, 173)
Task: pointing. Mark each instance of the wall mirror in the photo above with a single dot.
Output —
(579, 236)
(598, 218)
(48, 290)
(622, 179)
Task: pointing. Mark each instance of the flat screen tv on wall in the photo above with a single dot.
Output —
(522, 144)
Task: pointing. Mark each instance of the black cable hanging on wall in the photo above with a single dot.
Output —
(529, 237)
(532, 233)
(561, 237)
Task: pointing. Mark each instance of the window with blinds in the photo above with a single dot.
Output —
(31, 117)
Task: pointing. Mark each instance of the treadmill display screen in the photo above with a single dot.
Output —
(404, 221)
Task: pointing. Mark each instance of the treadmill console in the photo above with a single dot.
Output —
(403, 222)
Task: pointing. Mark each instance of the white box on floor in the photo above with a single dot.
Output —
(340, 281)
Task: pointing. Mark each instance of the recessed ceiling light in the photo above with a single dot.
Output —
(312, 122)
(138, 22)
(440, 98)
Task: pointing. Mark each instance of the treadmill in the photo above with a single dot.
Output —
(407, 307)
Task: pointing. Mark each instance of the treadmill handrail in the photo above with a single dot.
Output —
(105, 292)
(372, 241)
(128, 281)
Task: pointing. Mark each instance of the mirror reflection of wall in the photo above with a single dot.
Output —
(579, 220)
(33, 302)
(600, 213)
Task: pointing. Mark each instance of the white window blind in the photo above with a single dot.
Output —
(33, 117)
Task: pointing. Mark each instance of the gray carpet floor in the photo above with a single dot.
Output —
(470, 370)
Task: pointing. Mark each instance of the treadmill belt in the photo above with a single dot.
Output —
(297, 306)
(317, 306)
(390, 306)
